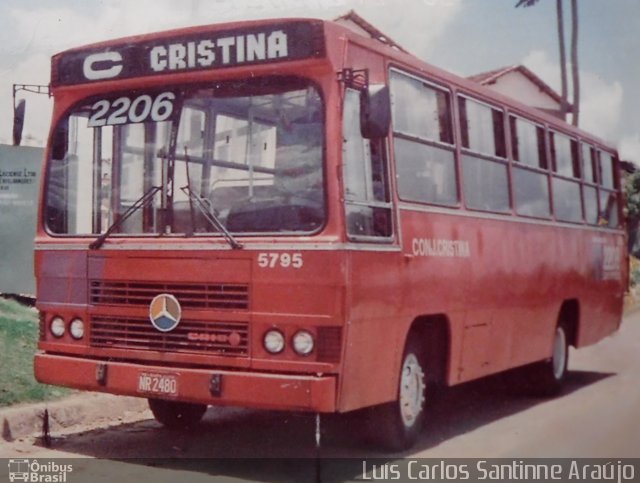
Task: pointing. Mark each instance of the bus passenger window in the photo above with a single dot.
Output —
(589, 163)
(423, 141)
(484, 167)
(420, 110)
(531, 193)
(527, 142)
(482, 128)
(606, 170)
(608, 209)
(567, 201)
(608, 195)
(564, 155)
(567, 204)
(530, 182)
(591, 204)
(590, 179)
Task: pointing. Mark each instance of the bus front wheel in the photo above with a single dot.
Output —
(398, 424)
(176, 414)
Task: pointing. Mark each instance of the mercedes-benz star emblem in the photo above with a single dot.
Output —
(165, 312)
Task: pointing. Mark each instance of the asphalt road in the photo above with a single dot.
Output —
(597, 415)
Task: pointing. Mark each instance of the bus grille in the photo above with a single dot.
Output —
(190, 296)
(218, 338)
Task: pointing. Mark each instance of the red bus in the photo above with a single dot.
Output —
(287, 214)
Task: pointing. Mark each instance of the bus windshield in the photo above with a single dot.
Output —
(247, 154)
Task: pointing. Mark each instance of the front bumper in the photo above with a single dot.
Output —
(234, 388)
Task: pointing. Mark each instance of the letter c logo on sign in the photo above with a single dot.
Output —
(104, 65)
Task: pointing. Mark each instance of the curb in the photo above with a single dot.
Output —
(26, 420)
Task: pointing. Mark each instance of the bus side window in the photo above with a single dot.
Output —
(567, 201)
(530, 181)
(368, 210)
(608, 198)
(564, 155)
(589, 189)
(423, 141)
(606, 170)
(484, 165)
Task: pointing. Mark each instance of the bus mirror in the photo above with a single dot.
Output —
(375, 111)
(18, 121)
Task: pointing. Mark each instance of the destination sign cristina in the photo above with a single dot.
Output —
(198, 50)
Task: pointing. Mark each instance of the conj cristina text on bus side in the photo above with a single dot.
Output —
(434, 247)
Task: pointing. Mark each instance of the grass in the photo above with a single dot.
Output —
(18, 340)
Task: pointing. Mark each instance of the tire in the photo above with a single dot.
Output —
(175, 414)
(547, 377)
(398, 424)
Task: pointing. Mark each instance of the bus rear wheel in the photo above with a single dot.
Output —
(547, 377)
(398, 424)
(176, 414)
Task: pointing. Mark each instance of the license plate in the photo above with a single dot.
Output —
(164, 384)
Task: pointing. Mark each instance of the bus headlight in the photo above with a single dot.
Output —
(303, 343)
(76, 329)
(57, 326)
(273, 341)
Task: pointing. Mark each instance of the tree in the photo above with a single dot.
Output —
(575, 73)
(563, 61)
(631, 189)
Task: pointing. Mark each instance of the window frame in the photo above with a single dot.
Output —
(485, 157)
(432, 143)
(434, 86)
(614, 182)
(593, 183)
(545, 147)
(575, 154)
(367, 167)
(502, 110)
(614, 190)
(593, 161)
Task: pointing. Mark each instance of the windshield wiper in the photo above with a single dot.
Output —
(210, 216)
(141, 202)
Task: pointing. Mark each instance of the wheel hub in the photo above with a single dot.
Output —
(412, 389)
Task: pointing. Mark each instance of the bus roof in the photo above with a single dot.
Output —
(193, 49)
(401, 58)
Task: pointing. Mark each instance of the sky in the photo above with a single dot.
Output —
(463, 36)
